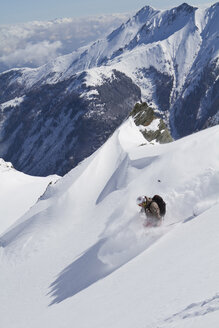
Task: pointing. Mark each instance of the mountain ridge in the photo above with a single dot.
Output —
(175, 73)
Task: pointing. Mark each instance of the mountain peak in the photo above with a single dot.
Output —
(185, 7)
(144, 13)
(139, 19)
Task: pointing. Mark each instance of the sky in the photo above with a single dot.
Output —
(14, 11)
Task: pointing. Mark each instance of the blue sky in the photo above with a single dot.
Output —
(17, 11)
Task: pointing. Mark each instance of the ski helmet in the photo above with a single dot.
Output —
(140, 200)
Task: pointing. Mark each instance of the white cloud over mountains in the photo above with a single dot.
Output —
(33, 44)
(33, 54)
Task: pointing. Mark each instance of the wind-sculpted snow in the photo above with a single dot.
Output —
(121, 176)
(131, 174)
(83, 247)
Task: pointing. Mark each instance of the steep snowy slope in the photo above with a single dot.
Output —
(18, 192)
(82, 257)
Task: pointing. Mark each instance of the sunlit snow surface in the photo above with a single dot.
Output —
(18, 192)
(82, 257)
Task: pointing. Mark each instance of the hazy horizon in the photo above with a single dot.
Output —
(44, 10)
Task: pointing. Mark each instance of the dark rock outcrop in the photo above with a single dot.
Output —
(193, 111)
(143, 116)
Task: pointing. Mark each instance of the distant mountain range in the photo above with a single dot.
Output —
(54, 116)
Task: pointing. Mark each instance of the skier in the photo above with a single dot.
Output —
(154, 208)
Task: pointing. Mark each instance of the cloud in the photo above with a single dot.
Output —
(32, 55)
(33, 44)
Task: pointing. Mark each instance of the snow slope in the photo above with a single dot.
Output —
(18, 192)
(81, 256)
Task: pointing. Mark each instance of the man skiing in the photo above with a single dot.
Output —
(154, 212)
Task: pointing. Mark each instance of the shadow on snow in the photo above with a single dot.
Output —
(80, 274)
(100, 260)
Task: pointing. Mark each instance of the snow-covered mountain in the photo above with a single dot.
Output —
(58, 114)
(50, 128)
(82, 257)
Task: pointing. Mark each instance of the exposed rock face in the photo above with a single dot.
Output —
(152, 127)
(55, 126)
(214, 120)
(193, 112)
(163, 85)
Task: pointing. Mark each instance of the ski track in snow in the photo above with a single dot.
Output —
(194, 310)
